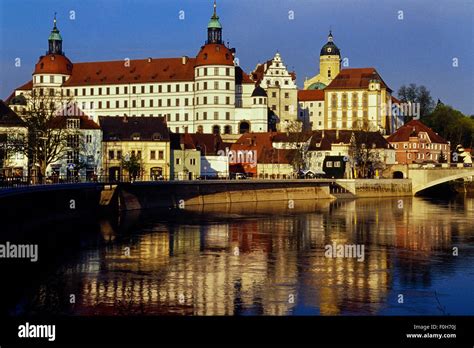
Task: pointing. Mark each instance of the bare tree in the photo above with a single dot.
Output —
(46, 143)
(364, 156)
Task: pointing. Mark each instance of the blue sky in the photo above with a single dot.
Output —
(419, 49)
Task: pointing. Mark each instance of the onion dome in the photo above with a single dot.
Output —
(330, 49)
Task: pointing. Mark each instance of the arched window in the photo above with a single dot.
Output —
(200, 129)
(216, 130)
(227, 130)
(244, 127)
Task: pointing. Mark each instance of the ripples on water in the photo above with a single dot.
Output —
(255, 259)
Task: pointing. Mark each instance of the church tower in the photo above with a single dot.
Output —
(329, 60)
(329, 65)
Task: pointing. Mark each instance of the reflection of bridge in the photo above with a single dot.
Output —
(423, 178)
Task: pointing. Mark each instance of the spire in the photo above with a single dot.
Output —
(55, 41)
(330, 38)
(214, 28)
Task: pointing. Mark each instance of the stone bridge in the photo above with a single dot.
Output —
(424, 177)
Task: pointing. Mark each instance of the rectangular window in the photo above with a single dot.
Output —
(125, 103)
(117, 90)
(160, 89)
(134, 103)
(186, 88)
(205, 101)
(186, 117)
(216, 85)
(227, 71)
(168, 102)
(152, 154)
(168, 88)
(151, 103)
(160, 155)
(216, 99)
(125, 90)
(159, 103)
(92, 91)
(142, 103)
(143, 89)
(100, 91)
(227, 100)
(216, 115)
(151, 89)
(108, 90)
(227, 116)
(177, 117)
(177, 88)
(177, 101)
(117, 103)
(111, 154)
(205, 115)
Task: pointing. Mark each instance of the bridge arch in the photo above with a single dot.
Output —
(419, 185)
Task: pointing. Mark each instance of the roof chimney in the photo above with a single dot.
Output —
(149, 59)
(184, 59)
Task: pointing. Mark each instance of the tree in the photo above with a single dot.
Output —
(452, 125)
(299, 142)
(133, 164)
(46, 144)
(417, 94)
(363, 153)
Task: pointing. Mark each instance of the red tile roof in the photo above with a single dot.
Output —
(215, 54)
(412, 128)
(311, 95)
(53, 64)
(137, 71)
(209, 144)
(85, 122)
(356, 78)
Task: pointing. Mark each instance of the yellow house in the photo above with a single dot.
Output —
(143, 140)
(357, 99)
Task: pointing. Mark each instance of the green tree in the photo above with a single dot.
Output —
(452, 125)
(133, 165)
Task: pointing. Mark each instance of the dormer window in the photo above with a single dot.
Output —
(136, 136)
(156, 136)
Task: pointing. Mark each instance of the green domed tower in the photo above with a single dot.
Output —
(55, 40)
(214, 29)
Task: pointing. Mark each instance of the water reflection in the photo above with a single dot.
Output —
(267, 259)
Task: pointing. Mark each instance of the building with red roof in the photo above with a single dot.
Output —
(415, 142)
(208, 93)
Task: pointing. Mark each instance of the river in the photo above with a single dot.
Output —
(267, 259)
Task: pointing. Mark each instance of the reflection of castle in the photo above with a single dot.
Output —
(258, 265)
